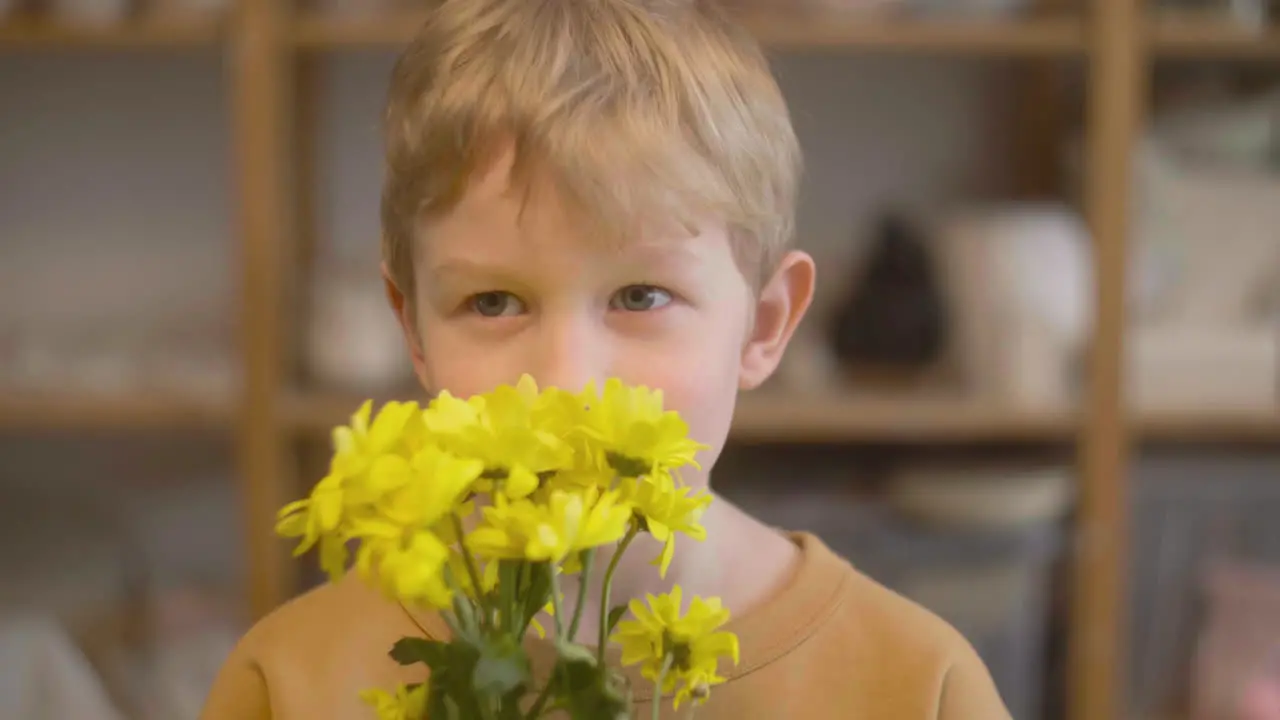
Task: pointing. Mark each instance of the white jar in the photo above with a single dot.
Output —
(91, 12)
(354, 342)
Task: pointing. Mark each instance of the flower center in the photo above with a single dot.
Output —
(679, 652)
(627, 467)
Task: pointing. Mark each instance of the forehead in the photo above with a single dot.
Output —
(508, 209)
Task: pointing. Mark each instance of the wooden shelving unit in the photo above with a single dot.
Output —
(268, 48)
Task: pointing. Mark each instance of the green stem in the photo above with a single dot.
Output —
(507, 594)
(657, 687)
(588, 558)
(535, 711)
(556, 610)
(472, 570)
(457, 619)
(558, 615)
(605, 609)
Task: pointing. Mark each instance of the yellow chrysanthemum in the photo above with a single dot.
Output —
(507, 430)
(417, 492)
(578, 479)
(568, 523)
(356, 446)
(316, 518)
(666, 508)
(409, 569)
(359, 447)
(632, 432)
(413, 507)
(408, 702)
(690, 646)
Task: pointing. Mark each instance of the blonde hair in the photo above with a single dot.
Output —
(643, 112)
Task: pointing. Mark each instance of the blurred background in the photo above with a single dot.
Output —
(1038, 391)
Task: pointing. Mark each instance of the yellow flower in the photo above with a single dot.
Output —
(420, 492)
(407, 703)
(314, 517)
(578, 479)
(507, 430)
(665, 509)
(568, 523)
(633, 433)
(352, 482)
(357, 445)
(401, 534)
(689, 645)
(318, 519)
(409, 569)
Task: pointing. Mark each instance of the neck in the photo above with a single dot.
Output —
(718, 566)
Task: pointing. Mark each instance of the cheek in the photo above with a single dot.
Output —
(699, 379)
(451, 362)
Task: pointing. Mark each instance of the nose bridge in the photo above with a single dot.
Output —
(572, 350)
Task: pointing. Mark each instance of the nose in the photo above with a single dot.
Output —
(570, 350)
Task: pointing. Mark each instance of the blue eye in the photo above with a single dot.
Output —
(640, 298)
(495, 304)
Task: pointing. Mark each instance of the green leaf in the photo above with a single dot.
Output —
(468, 620)
(502, 668)
(451, 694)
(575, 653)
(414, 650)
(438, 697)
(588, 692)
(615, 615)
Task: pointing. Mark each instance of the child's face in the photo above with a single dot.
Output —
(510, 284)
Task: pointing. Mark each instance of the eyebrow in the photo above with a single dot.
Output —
(467, 266)
(674, 252)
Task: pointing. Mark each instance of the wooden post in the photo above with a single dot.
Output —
(1117, 70)
(262, 92)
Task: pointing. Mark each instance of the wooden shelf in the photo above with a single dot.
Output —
(42, 412)
(137, 34)
(832, 31)
(771, 417)
(1207, 426)
(1036, 36)
(774, 417)
(314, 32)
(1205, 39)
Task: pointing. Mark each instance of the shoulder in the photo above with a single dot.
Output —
(913, 646)
(308, 640)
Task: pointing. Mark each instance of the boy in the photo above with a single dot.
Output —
(582, 189)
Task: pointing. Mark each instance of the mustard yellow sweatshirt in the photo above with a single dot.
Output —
(832, 644)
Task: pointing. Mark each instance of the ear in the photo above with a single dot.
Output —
(780, 307)
(403, 308)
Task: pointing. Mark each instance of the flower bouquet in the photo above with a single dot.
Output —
(480, 508)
